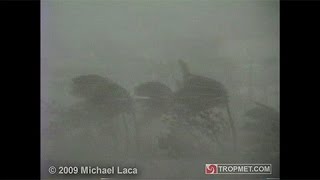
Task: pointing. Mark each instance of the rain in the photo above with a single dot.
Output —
(165, 86)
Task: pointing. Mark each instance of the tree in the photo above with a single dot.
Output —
(200, 93)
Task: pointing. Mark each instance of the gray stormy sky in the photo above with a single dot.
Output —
(137, 41)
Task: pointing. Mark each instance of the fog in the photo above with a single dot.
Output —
(235, 42)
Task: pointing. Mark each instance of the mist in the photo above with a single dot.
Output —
(235, 42)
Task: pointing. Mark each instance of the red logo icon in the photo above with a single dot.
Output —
(211, 169)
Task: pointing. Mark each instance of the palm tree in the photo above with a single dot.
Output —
(266, 126)
(263, 112)
(155, 96)
(102, 95)
(200, 93)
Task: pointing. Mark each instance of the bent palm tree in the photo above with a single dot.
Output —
(200, 93)
(103, 95)
(155, 99)
(156, 96)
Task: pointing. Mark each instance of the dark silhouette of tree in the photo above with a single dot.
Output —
(155, 97)
(263, 112)
(104, 106)
(265, 125)
(100, 92)
(200, 93)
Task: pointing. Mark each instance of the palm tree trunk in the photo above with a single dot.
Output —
(126, 131)
(233, 130)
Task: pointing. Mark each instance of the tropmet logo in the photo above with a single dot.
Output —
(211, 169)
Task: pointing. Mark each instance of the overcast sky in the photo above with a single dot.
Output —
(233, 41)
